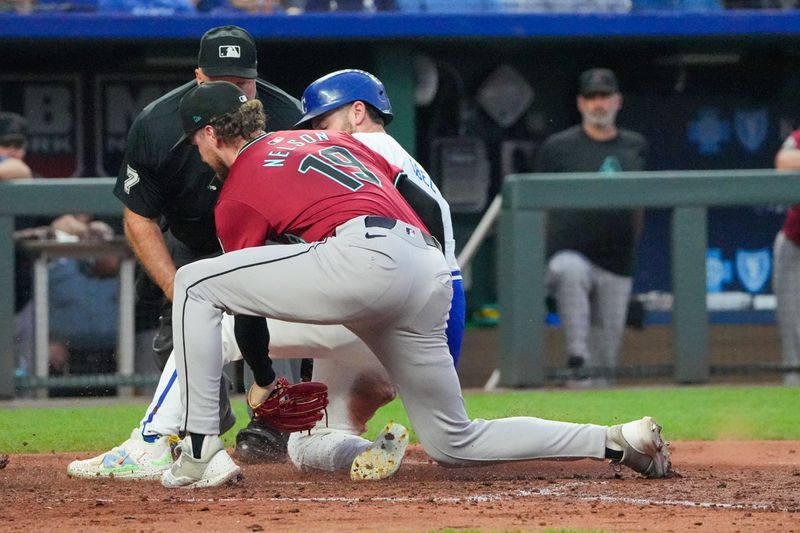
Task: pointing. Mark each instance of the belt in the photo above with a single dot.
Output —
(389, 223)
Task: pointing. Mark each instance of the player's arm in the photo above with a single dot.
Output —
(252, 337)
(426, 207)
(147, 241)
(139, 188)
(12, 168)
(788, 157)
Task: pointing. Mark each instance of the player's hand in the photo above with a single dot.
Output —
(289, 407)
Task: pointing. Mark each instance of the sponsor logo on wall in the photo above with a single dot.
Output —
(121, 98)
(751, 127)
(53, 107)
(752, 269)
(711, 129)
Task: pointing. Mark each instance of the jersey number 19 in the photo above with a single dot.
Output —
(340, 165)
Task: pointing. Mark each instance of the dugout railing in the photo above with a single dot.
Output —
(52, 197)
(521, 253)
(689, 194)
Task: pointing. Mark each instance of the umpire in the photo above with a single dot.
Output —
(169, 196)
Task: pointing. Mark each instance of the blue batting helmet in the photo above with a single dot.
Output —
(342, 87)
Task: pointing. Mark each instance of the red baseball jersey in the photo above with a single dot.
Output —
(300, 185)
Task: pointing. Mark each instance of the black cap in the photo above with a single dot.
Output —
(228, 51)
(598, 80)
(12, 127)
(204, 103)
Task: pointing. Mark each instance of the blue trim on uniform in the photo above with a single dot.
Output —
(455, 324)
(152, 438)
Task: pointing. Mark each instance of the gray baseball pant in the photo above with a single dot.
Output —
(786, 286)
(592, 305)
(393, 291)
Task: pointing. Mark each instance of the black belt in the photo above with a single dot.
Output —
(389, 223)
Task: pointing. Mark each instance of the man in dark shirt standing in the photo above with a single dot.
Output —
(169, 195)
(591, 252)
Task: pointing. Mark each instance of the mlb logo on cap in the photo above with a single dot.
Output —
(230, 51)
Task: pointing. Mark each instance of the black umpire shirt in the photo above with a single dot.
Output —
(154, 181)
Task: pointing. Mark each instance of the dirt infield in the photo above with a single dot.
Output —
(726, 487)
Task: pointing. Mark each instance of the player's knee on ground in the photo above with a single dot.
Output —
(370, 391)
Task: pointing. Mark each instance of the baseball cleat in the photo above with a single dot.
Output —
(258, 443)
(643, 449)
(382, 459)
(214, 467)
(133, 459)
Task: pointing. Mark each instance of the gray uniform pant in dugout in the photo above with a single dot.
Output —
(786, 285)
(592, 305)
(392, 289)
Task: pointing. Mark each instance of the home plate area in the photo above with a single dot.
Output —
(723, 486)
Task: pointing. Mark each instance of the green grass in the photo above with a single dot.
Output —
(686, 413)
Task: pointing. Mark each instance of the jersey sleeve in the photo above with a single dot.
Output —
(240, 226)
(792, 142)
(138, 185)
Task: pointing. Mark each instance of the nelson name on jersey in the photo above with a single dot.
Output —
(281, 147)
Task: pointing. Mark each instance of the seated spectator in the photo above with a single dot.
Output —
(350, 5)
(13, 144)
(679, 5)
(22, 7)
(264, 7)
(147, 7)
(448, 6)
(51, 6)
(82, 299)
(760, 4)
(83, 310)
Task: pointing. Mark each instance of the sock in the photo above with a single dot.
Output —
(613, 450)
(197, 444)
(614, 455)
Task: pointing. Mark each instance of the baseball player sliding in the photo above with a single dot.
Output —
(361, 258)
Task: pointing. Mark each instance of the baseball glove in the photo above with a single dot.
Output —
(291, 408)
